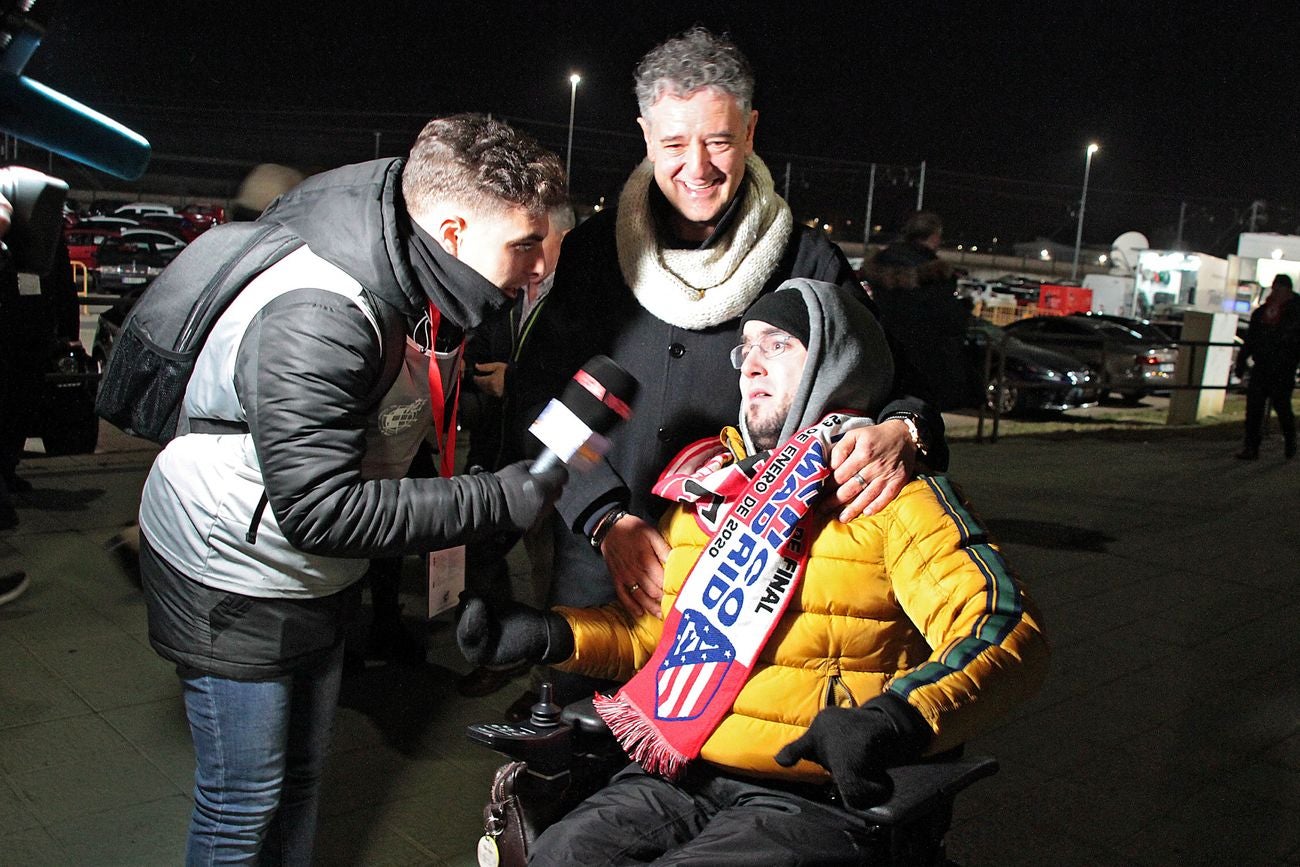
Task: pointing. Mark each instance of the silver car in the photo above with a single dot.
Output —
(1133, 362)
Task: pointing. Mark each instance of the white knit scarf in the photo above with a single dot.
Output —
(697, 289)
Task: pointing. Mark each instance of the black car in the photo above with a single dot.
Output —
(1034, 379)
(127, 262)
(109, 326)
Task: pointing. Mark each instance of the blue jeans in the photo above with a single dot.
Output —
(260, 748)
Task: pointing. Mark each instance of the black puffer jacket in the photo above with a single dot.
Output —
(309, 377)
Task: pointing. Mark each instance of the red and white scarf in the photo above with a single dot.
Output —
(734, 596)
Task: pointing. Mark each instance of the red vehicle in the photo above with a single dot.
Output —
(83, 242)
(204, 216)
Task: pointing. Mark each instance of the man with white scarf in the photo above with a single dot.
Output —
(659, 285)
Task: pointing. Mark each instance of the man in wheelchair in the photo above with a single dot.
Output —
(797, 657)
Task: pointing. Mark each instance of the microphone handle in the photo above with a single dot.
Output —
(546, 461)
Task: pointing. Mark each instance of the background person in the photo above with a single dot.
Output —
(489, 409)
(13, 583)
(916, 293)
(1273, 343)
(904, 632)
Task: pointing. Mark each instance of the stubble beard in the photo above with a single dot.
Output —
(764, 428)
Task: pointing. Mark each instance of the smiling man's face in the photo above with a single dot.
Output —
(698, 145)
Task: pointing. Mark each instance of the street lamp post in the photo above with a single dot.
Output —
(1083, 201)
(568, 151)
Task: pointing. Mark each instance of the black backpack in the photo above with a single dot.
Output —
(153, 358)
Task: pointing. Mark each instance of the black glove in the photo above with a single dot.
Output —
(511, 633)
(528, 496)
(857, 744)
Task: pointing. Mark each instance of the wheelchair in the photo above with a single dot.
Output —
(560, 756)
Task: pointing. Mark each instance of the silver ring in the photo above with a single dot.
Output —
(632, 588)
(861, 481)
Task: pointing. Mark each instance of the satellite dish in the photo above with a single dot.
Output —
(1124, 252)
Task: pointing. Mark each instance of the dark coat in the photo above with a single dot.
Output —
(916, 293)
(688, 389)
(1275, 348)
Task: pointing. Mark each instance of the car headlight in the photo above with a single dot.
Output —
(1034, 370)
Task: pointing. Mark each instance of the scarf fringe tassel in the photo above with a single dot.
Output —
(639, 738)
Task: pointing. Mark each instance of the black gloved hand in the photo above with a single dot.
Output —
(512, 633)
(528, 496)
(857, 744)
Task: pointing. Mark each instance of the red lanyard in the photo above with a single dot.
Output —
(443, 432)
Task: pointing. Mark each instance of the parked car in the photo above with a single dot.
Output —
(180, 225)
(126, 263)
(138, 210)
(165, 242)
(108, 222)
(204, 216)
(83, 244)
(1131, 363)
(109, 326)
(1035, 378)
(1172, 324)
(103, 207)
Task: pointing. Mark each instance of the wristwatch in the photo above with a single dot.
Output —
(604, 525)
(913, 430)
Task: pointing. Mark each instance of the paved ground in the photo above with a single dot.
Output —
(1168, 733)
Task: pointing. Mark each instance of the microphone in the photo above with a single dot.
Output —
(33, 112)
(573, 427)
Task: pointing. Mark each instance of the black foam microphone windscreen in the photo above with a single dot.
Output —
(597, 397)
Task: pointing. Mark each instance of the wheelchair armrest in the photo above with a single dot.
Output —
(918, 788)
(582, 716)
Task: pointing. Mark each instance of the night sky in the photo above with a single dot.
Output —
(1190, 102)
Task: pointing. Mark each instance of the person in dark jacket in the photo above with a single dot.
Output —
(488, 411)
(1273, 344)
(916, 293)
(306, 404)
(658, 284)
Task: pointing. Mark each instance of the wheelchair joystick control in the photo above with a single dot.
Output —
(544, 741)
(545, 712)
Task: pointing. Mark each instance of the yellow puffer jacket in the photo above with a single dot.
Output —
(913, 599)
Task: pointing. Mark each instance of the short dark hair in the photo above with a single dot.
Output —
(694, 60)
(1283, 280)
(482, 163)
(922, 225)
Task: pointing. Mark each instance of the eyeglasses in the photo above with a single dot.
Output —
(771, 345)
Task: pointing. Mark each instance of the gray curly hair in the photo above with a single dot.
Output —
(689, 62)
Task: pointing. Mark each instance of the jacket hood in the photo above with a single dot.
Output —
(849, 366)
(354, 217)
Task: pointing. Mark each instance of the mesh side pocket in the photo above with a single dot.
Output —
(142, 388)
